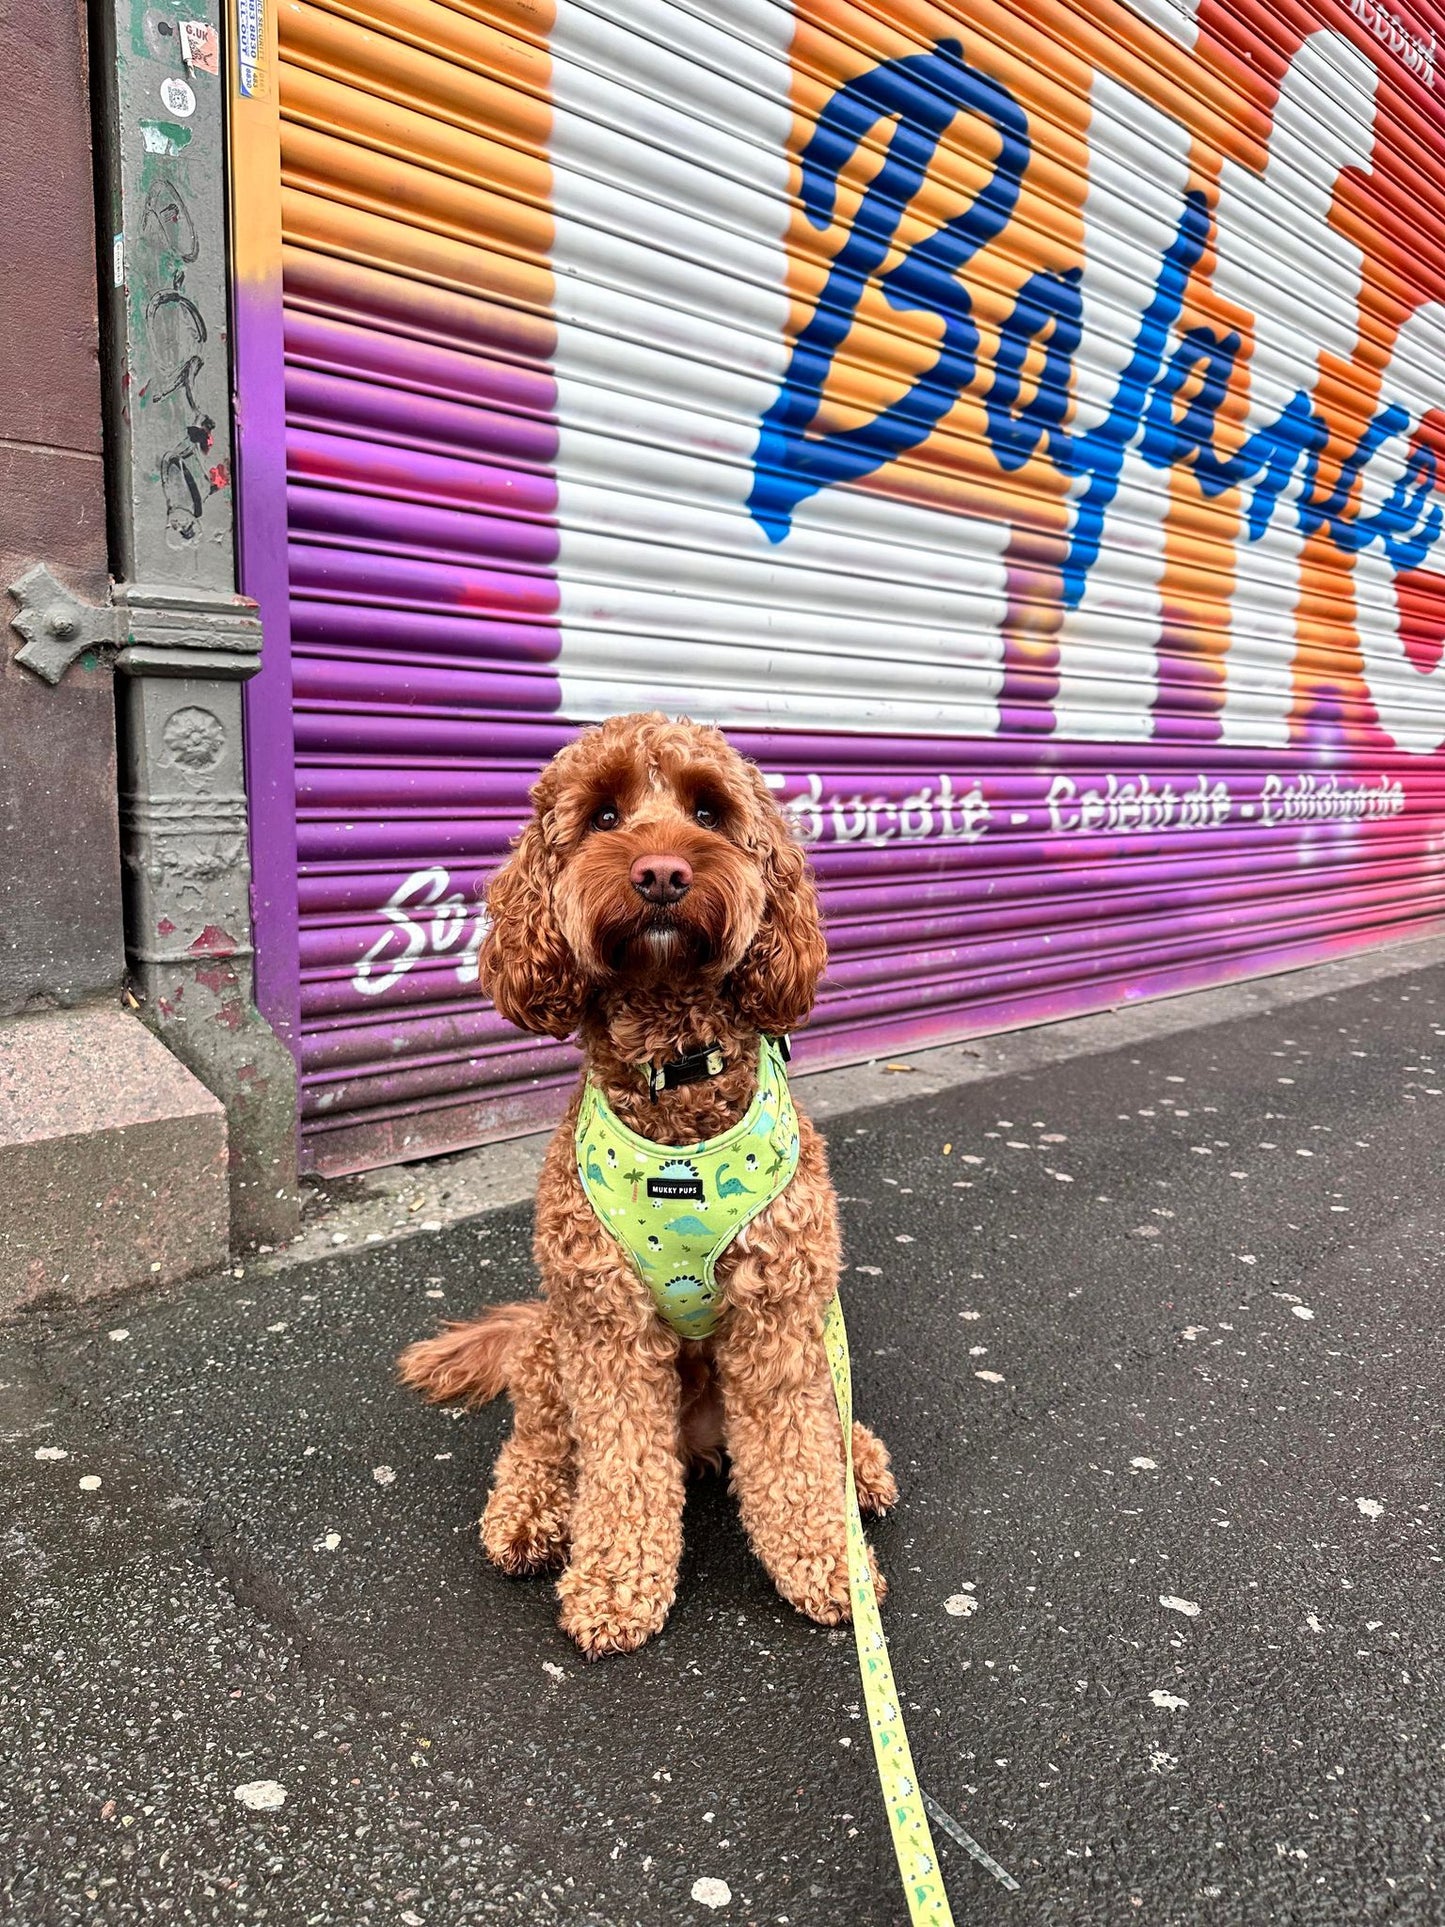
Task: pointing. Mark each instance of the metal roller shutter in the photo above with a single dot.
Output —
(1017, 425)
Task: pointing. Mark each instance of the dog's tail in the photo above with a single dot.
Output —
(469, 1361)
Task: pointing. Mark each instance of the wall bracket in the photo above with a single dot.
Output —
(58, 626)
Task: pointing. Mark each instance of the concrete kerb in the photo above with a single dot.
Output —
(401, 1200)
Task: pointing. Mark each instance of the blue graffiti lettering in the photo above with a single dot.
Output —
(1332, 511)
(1409, 522)
(1169, 438)
(1049, 309)
(925, 92)
(1166, 402)
(1099, 453)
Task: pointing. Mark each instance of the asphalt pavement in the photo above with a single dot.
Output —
(1155, 1337)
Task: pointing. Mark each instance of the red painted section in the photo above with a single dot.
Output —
(213, 942)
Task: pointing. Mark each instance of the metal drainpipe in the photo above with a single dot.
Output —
(187, 640)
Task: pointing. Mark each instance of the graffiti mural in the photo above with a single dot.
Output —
(1021, 428)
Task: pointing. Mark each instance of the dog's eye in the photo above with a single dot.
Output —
(706, 815)
(607, 818)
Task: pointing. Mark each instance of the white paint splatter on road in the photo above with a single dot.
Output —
(261, 1796)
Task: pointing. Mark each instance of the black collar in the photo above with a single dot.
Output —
(691, 1068)
(694, 1066)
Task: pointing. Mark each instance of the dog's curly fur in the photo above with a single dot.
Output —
(612, 1408)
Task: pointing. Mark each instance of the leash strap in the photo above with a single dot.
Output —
(923, 1887)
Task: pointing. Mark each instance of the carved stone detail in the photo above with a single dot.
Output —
(192, 852)
(194, 739)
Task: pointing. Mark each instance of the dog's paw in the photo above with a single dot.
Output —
(523, 1539)
(872, 1472)
(816, 1583)
(819, 1588)
(607, 1613)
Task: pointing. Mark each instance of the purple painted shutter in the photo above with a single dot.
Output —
(421, 447)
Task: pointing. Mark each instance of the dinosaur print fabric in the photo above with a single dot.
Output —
(674, 1208)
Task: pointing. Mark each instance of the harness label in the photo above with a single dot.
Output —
(677, 1188)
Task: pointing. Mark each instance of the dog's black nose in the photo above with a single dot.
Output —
(662, 878)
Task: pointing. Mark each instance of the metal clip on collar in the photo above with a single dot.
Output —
(691, 1068)
(695, 1065)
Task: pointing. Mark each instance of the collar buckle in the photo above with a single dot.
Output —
(691, 1068)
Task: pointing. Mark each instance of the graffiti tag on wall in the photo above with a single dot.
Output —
(425, 916)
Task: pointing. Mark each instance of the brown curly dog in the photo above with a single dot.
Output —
(656, 905)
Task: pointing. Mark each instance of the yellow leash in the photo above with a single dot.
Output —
(912, 1841)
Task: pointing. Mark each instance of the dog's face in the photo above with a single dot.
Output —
(661, 841)
(654, 854)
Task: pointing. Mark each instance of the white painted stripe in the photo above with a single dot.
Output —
(873, 613)
(1304, 293)
(1175, 17)
(1410, 702)
(1109, 691)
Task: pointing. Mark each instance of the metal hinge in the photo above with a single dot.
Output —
(158, 631)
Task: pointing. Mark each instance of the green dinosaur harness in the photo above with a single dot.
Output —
(674, 1208)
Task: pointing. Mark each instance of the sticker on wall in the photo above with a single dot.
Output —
(250, 22)
(178, 96)
(199, 47)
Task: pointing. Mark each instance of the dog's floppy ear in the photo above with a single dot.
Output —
(526, 967)
(777, 980)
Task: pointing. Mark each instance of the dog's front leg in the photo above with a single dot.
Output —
(619, 1367)
(780, 1423)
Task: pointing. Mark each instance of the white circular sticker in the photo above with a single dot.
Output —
(178, 97)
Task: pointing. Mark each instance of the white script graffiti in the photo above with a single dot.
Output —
(954, 808)
(1417, 50)
(1325, 799)
(936, 809)
(424, 914)
(1133, 805)
(427, 915)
